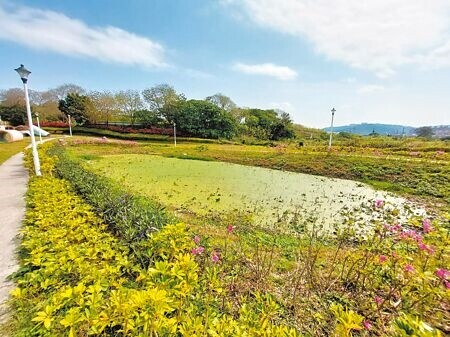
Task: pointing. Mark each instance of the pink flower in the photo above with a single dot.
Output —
(383, 258)
(442, 273)
(230, 229)
(197, 239)
(378, 300)
(394, 228)
(410, 234)
(428, 249)
(215, 257)
(394, 255)
(409, 268)
(367, 324)
(379, 203)
(198, 250)
(447, 284)
(427, 226)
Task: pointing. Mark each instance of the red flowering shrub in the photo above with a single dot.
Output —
(55, 124)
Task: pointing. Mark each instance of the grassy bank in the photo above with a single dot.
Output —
(9, 149)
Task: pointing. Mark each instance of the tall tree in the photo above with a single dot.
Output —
(105, 105)
(78, 106)
(222, 101)
(12, 97)
(204, 119)
(48, 111)
(268, 124)
(129, 102)
(163, 100)
(61, 92)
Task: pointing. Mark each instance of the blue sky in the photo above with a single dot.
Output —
(385, 61)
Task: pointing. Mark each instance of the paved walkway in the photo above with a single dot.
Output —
(13, 185)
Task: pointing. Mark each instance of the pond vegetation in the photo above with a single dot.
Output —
(269, 198)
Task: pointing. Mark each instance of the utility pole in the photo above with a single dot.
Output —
(174, 133)
(70, 126)
(331, 133)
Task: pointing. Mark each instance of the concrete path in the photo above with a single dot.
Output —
(13, 185)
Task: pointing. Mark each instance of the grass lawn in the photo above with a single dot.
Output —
(9, 149)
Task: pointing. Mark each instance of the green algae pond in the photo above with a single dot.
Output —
(263, 196)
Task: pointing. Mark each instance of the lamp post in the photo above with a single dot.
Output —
(39, 127)
(331, 133)
(174, 133)
(70, 126)
(23, 73)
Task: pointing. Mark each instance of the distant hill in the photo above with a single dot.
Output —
(388, 129)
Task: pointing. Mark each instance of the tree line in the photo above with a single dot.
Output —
(216, 116)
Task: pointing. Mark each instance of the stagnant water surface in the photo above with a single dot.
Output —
(267, 197)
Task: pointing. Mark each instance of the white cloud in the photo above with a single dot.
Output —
(375, 35)
(370, 88)
(267, 69)
(52, 31)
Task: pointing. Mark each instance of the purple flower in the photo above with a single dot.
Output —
(367, 324)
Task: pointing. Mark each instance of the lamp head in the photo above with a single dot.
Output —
(23, 73)
(333, 111)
